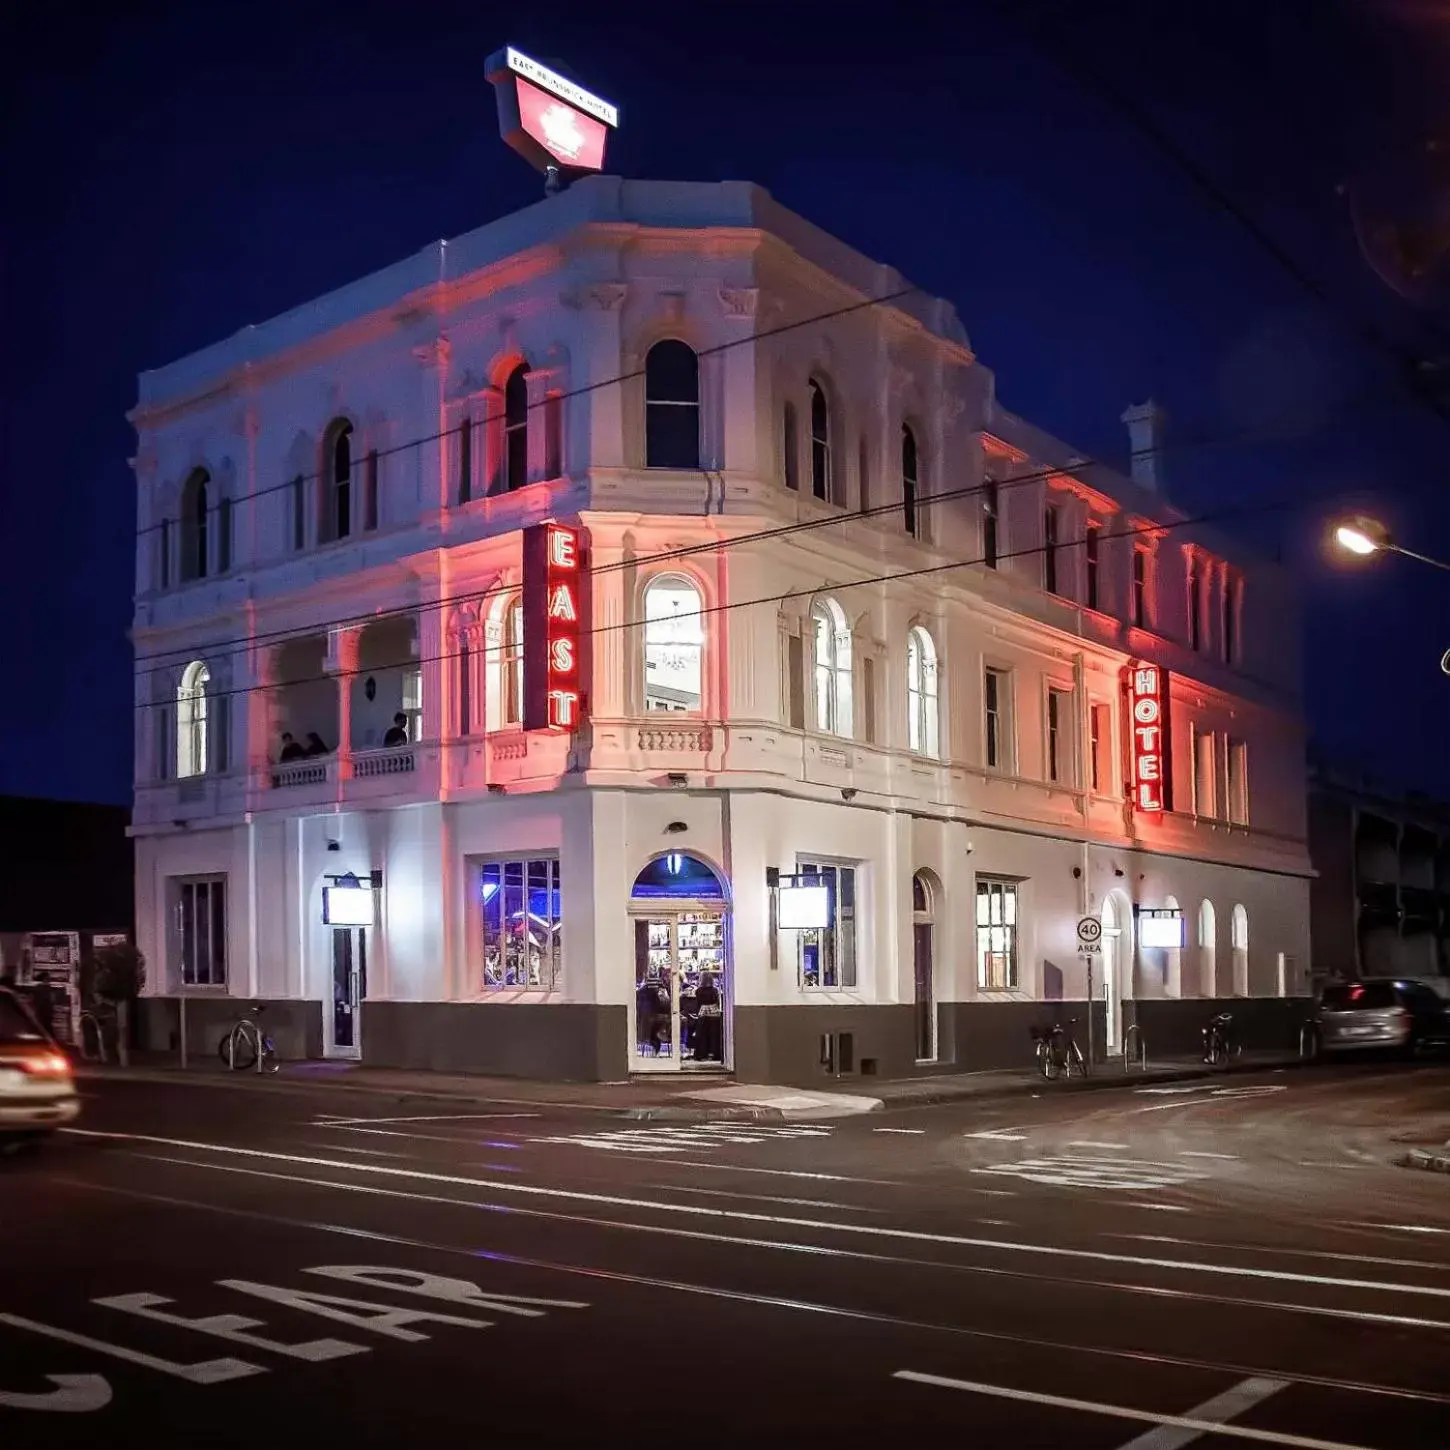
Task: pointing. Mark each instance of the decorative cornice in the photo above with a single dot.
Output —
(433, 354)
(602, 296)
(743, 302)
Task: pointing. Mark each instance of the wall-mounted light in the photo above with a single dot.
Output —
(675, 827)
(848, 792)
(678, 778)
(495, 789)
(334, 845)
(1117, 870)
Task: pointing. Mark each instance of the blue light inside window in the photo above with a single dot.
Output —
(678, 875)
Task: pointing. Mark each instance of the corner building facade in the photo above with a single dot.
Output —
(852, 624)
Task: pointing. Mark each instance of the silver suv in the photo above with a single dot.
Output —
(1382, 1012)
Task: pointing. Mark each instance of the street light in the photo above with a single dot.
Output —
(1363, 536)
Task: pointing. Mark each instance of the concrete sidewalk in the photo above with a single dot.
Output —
(680, 1098)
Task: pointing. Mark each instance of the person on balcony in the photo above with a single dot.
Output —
(398, 731)
(291, 750)
(315, 745)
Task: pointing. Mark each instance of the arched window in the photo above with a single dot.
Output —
(921, 699)
(790, 447)
(671, 405)
(833, 668)
(223, 534)
(820, 442)
(674, 639)
(336, 520)
(516, 428)
(195, 511)
(191, 720)
(909, 481)
(504, 663)
(1239, 936)
(1207, 950)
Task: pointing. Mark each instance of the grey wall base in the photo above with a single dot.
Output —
(1174, 1027)
(294, 1027)
(570, 1041)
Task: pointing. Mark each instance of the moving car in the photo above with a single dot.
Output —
(37, 1088)
(1382, 1012)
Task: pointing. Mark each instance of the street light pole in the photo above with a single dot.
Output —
(1364, 536)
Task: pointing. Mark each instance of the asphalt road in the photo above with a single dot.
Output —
(248, 1266)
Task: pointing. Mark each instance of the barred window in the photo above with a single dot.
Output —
(521, 925)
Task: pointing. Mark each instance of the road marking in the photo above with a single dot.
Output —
(614, 1200)
(234, 1327)
(1220, 1409)
(766, 1198)
(1067, 1171)
(1089, 1143)
(346, 1148)
(331, 1122)
(1218, 1095)
(999, 1135)
(1404, 1228)
(1122, 1412)
(1192, 1153)
(1166, 1092)
(1135, 1356)
(74, 1394)
(682, 1139)
(1160, 1207)
(914, 1132)
(208, 1372)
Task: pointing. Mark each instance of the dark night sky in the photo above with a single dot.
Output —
(174, 171)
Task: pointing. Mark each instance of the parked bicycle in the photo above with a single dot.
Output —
(1219, 1043)
(245, 1046)
(1057, 1051)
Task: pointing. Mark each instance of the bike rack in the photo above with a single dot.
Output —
(1308, 1042)
(100, 1053)
(1135, 1033)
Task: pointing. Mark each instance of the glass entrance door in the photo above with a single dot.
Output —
(349, 987)
(681, 992)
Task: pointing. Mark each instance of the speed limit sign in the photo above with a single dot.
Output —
(1089, 934)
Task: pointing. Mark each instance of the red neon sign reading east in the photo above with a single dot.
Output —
(1149, 742)
(562, 626)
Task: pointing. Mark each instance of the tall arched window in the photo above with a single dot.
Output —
(909, 482)
(671, 405)
(674, 639)
(1207, 950)
(195, 511)
(921, 697)
(833, 667)
(336, 518)
(820, 442)
(191, 720)
(1239, 935)
(516, 428)
(504, 663)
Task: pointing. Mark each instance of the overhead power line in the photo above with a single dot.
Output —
(895, 576)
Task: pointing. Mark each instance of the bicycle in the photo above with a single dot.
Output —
(1218, 1040)
(1057, 1051)
(245, 1045)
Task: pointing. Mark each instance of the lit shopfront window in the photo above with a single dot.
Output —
(521, 925)
(828, 954)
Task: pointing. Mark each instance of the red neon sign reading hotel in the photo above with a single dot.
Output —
(1148, 707)
(555, 632)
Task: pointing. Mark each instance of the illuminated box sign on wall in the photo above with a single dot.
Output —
(556, 626)
(1149, 724)
(347, 905)
(1161, 928)
(546, 118)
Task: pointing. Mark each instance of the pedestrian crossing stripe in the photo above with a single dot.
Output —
(684, 1139)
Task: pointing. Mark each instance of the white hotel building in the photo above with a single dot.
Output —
(851, 621)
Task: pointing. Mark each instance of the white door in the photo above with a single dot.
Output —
(348, 979)
(1112, 968)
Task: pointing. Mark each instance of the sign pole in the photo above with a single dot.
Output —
(1090, 1012)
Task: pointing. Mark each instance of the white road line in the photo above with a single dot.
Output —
(999, 1135)
(914, 1132)
(1404, 1228)
(1159, 1207)
(1122, 1412)
(1089, 1143)
(935, 1265)
(347, 1148)
(208, 1372)
(1221, 1408)
(766, 1198)
(333, 1122)
(614, 1200)
(1192, 1153)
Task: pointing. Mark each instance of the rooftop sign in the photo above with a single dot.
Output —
(551, 122)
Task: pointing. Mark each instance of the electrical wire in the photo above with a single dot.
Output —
(164, 660)
(582, 390)
(896, 576)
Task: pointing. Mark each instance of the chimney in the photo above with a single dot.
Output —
(1146, 422)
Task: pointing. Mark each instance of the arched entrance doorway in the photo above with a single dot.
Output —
(923, 957)
(682, 989)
